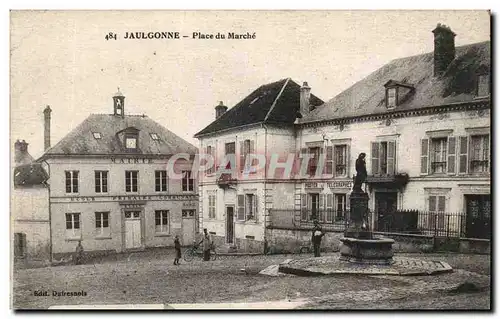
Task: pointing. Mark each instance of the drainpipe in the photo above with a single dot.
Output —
(50, 216)
(265, 186)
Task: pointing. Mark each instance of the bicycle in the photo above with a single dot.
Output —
(193, 251)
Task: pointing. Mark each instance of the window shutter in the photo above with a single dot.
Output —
(303, 151)
(452, 151)
(303, 215)
(329, 208)
(348, 159)
(252, 151)
(463, 155)
(242, 156)
(241, 207)
(255, 210)
(375, 160)
(321, 213)
(391, 157)
(329, 160)
(424, 156)
(441, 204)
(432, 203)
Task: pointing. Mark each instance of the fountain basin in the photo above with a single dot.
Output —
(367, 251)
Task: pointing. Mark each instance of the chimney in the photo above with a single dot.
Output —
(20, 151)
(46, 136)
(444, 48)
(220, 109)
(305, 95)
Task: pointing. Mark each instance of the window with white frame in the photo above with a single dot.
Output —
(340, 155)
(438, 155)
(73, 225)
(479, 153)
(161, 221)
(437, 208)
(391, 98)
(247, 207)
(314, 153)
(211, 169)
(131, 181)
(101, 181)
(160, 181)
(71, 181)
(102, 224)
(340, 206)
(383, 157)
(211, 206)
(245, 149)
(187, 181)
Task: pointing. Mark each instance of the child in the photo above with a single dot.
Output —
(177, 246)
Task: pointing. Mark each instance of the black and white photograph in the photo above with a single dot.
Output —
(250, 160)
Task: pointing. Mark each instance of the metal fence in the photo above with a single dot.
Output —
(439, 224)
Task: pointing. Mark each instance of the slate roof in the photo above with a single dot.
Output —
(30, 175)
(276, 102)
(366, 97)
(81, 141)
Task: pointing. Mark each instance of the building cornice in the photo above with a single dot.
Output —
(452, 107)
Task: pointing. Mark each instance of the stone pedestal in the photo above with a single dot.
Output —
(358, 244)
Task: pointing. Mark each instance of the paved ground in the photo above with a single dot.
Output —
(150, 278)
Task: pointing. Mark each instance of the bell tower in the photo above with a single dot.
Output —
(119, 104)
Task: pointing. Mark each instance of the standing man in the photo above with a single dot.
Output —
(317, 235)
(177, 246)
(206, 245)
(79, 253)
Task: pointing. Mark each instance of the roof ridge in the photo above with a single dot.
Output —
(277, 98)
(432, 52)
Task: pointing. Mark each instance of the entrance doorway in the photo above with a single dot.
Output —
(229, 224)
(132, 229)
(478, 209)
(188, 226)
(386, 204)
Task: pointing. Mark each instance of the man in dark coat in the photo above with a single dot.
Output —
(206, 245)
(361, 173)
(79, 253)
(317, 235)
(177, 246)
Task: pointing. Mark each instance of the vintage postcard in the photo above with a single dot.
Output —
(250, 159)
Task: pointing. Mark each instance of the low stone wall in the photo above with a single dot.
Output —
(474, 246)
(291, 240)
(409, 243)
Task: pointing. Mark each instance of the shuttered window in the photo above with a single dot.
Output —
(241, 208)
(463, 152)
(451, 155)
(424, 156)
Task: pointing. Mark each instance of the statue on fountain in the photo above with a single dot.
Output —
(361, 173)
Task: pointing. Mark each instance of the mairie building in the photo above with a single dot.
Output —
(423, 122)
(110, 186)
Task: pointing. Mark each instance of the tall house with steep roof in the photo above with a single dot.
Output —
(110, 186)
(235, 207)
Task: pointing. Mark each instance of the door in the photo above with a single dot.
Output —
(386, 204)
(132, 229)
(188, 226)
(478, 210)
(230, 224)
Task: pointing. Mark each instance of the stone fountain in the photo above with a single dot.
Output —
(358, 244)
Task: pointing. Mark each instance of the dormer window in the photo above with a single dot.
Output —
(483, 85)
(97, 135)
(154, 136)
(131, 142)
(391, 98)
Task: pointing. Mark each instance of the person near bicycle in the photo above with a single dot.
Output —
(317, 235)
(206, 245)
(177, 246)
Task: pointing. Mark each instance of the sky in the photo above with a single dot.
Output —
(62, 59)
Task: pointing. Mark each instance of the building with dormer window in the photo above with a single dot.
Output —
(110, 187)
(423, 122)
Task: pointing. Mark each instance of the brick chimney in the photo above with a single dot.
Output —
(220, 109)
(305, 95)
(20, 151)
(444, 48)
(46, 124)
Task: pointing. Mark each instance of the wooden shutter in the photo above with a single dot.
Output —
(252, 151)
(348, 159)
(424, 156)
(329, 161)
(375, 159)
(432, 212)
(255, 210)
(303, 151)
(440, 211)
(329, 208)
(452, 151)
(391, 157)
(463, 152)
(321, 208)
(242, 156)
(241, 207)
(303, 215)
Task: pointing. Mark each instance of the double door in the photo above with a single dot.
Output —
(478, 216)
